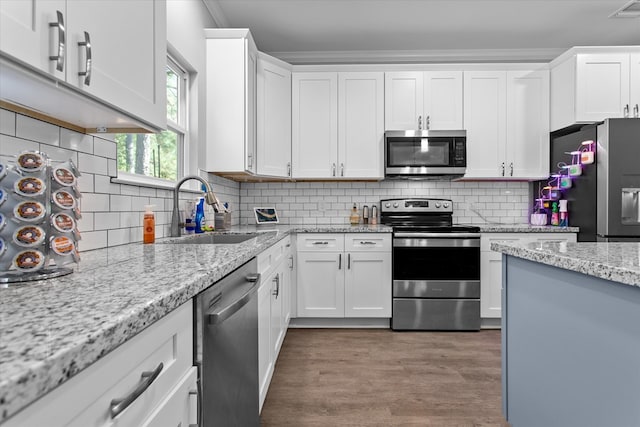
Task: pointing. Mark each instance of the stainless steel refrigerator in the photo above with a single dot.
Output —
(605, 200)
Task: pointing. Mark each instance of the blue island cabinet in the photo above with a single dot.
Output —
(570, 348)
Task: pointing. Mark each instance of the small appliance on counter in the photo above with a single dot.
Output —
(38, 217)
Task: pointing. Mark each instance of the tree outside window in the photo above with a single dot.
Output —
(159, 155)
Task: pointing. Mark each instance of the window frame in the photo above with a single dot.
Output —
(180, 129)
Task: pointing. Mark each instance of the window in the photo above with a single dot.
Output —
(159, 155)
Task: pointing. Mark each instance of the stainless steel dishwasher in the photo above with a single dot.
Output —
(226, 350)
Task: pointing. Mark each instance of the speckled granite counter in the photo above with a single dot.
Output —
(618, 262)
(51, 330)
(524, 228)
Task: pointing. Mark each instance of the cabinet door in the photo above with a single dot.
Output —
(287, 289)
(251, 74)
(315, 125)
(485, 121)
(25, 33)
(602, 86)
(128, 65)
(368, 284)
(635, 85)
(443, 100)
(490, 284)
(527, 144)
(180, 407)
(277, 333)
(265, 363)
(360, 124)
(403, 100)
(320, 284)
(273, 120)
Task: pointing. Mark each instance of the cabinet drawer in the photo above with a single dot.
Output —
(270, 257)
(85, 399)
(320, 242)
(369, 242)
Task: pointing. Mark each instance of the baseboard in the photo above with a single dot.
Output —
(489, 323)
(312, 322)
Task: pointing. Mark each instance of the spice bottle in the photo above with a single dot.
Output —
(354, 218)
(365, 214)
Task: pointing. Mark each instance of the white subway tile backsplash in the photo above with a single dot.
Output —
(120, 203)
(92, 202)
(92, 164)
(86, 222)
(11, 146)
(92, 240)
(37, 130)
(104, 148)
(106, 220)
(130, 190)
(130, 219)
(103, 184)
(120, 236)
(85, 183)
(112, 168)
(8, 122)
(76, 141)
(57, 154)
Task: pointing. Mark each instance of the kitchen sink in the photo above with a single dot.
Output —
(220, 239)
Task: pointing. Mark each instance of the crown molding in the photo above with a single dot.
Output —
(216, 13)
(419, 56)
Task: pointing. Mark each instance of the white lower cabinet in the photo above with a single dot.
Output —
(274, 308)
(164, 348)
(491, 266)
(353, 279)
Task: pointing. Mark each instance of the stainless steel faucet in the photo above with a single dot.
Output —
(209, 197)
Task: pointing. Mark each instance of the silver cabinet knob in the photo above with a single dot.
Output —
(395, 205)
(445, 205)
(387, 205)
(438, 204)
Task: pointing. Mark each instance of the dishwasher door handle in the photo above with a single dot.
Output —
(220, 315)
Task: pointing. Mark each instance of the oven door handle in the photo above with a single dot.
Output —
(423, 242)
(439, 235)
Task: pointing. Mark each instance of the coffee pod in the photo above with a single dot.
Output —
(29, 186)
(63, 222)
(62, 245)
(31, 161)
(29, 211)
(63, 176)
(28, 236)
(28, 260)
(63, 199)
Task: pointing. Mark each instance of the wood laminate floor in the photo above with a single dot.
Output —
(373, 377)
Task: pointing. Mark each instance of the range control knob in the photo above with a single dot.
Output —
(445, 204)
(395, 205)
(387, 205)
(437, 204)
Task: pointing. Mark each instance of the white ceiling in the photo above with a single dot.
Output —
(317, 31)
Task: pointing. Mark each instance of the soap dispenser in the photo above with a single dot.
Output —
(149, 225)
(354, 218)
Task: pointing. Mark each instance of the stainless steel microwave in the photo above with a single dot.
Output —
(425, 153)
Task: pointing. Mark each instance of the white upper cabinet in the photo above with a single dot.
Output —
(506, 115)
(485, 108)
(592, 84)
(315, 125)
(527, 144)
(337, 125)
(78, 42)
(231, 101)
(27, 34)
(273, 117)
(423, 100)
(360, 124)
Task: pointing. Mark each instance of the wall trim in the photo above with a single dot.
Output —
(216, 13)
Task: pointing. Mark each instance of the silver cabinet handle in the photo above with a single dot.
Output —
(339, 261)
(349, 261)
(289, 169)
(502, 167)
(87, 71)
(366, 242)
(321, 243)
(428, 122)
(626, 111)
(419, 122)
(341, 169)
(333, 169)
(147, 378)
(511, 169)
(277, 281)
(636, 111)
(291, 262)
(59, 58)
(249, 161)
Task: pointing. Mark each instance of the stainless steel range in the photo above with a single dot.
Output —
(436, 266)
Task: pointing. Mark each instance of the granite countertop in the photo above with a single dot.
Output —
(618, 262)
(52, 329)
(524, 228)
